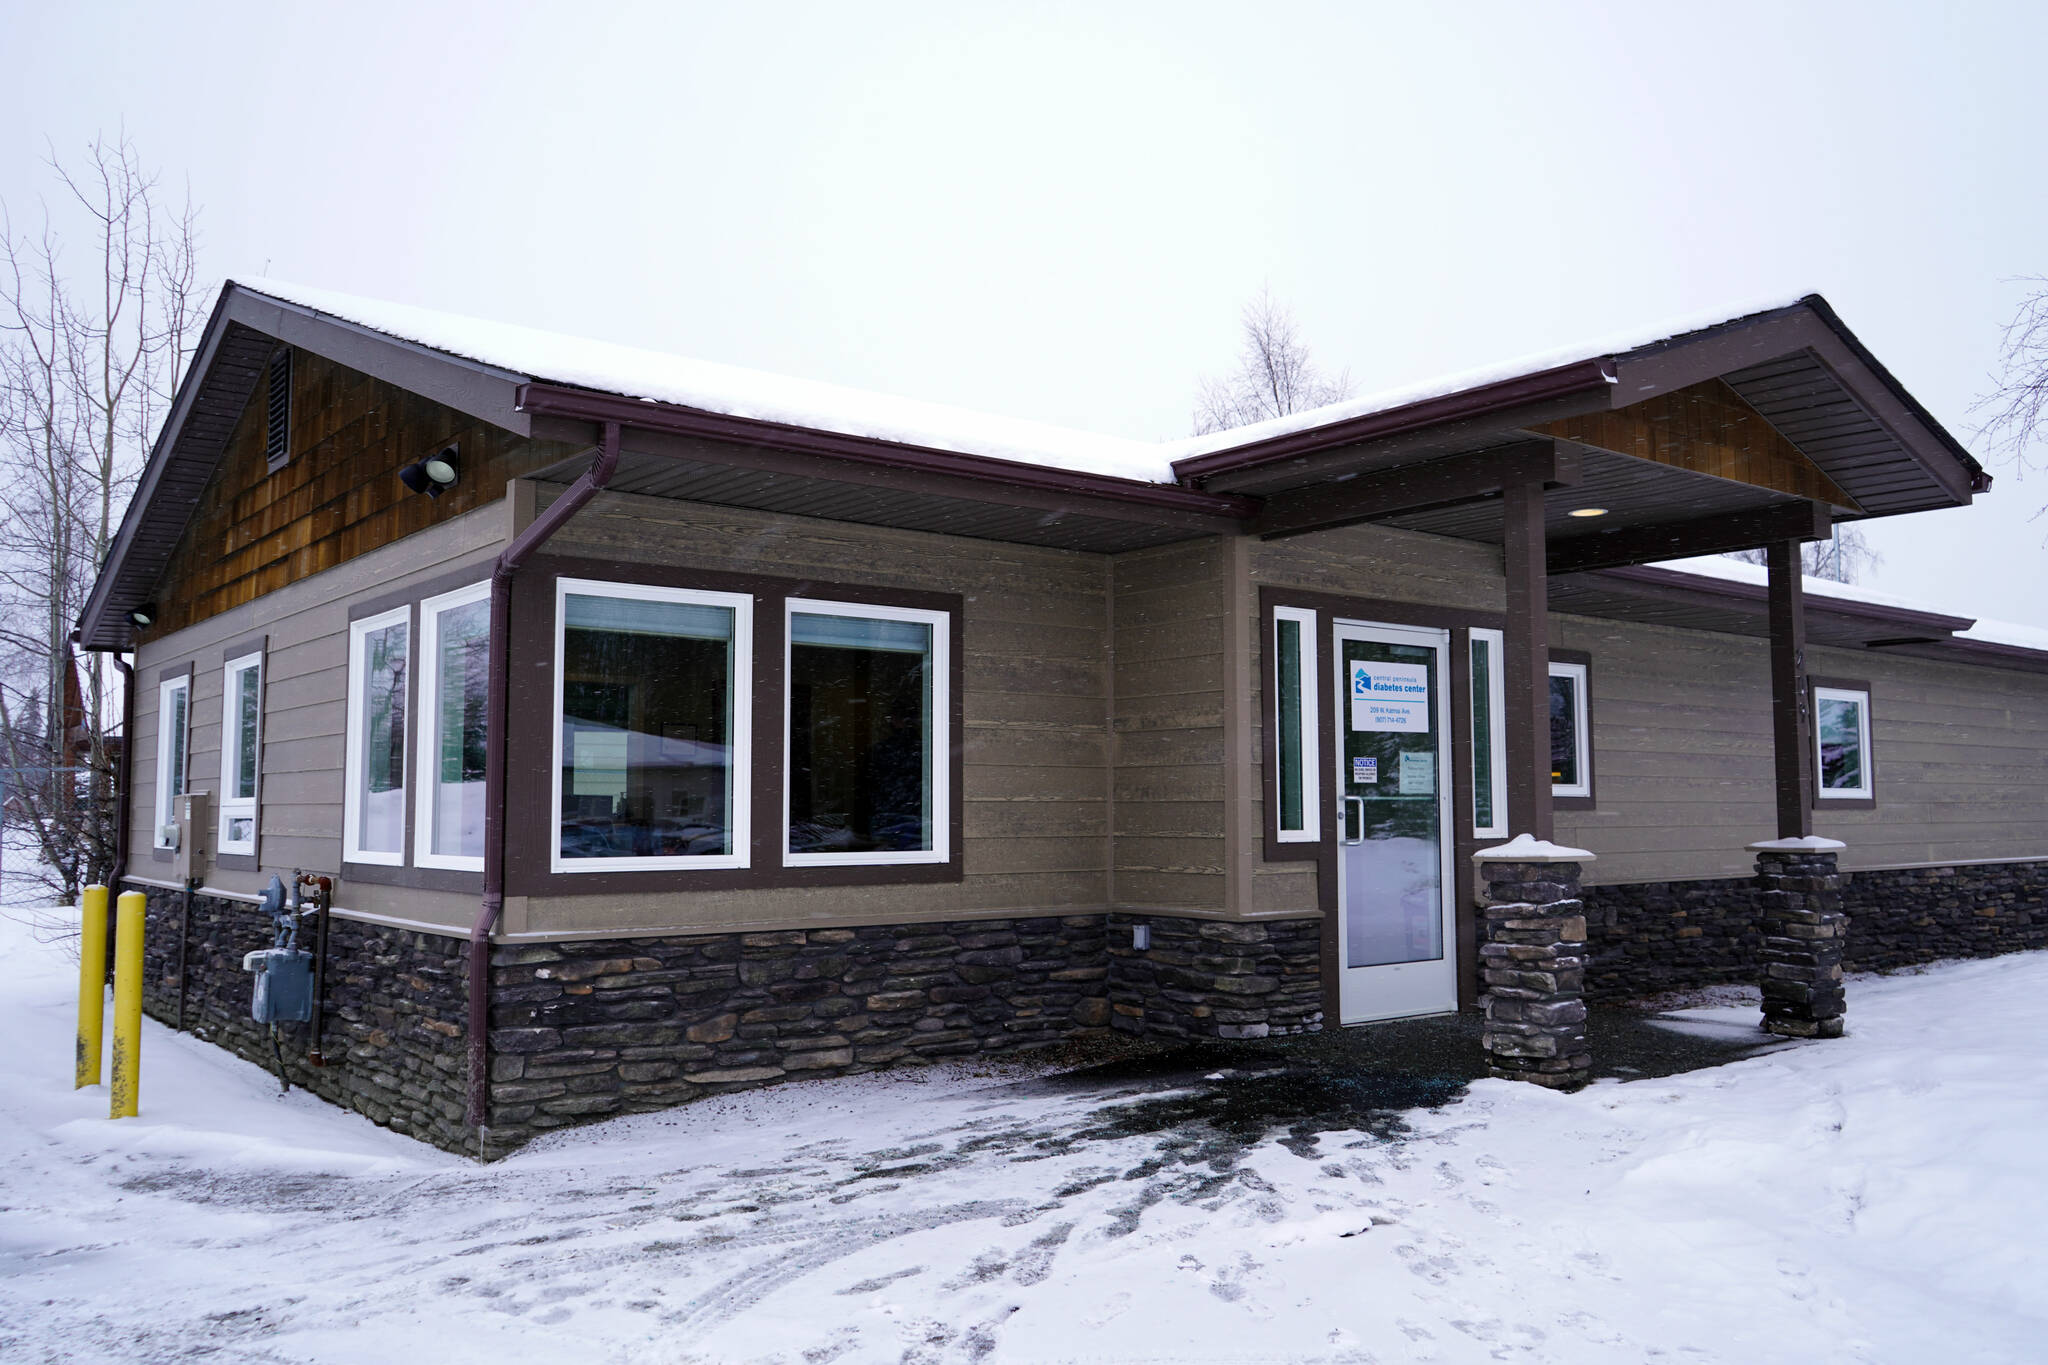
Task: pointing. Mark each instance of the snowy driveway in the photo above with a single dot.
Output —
(1877, 1199)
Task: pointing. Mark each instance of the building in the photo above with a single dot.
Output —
(670, 728)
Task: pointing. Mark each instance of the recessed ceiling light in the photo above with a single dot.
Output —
(1589, 511)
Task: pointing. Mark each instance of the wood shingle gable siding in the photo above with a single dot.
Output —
(337, 496)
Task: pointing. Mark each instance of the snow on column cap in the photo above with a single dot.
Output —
(1805, 843)
(1526, 848)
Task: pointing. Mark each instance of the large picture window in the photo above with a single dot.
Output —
(173, 743)
(1489, 738)
(1841, 732)
(455, 637)
(1296, 684)
(1571, 745)
(373, 805)
(866, 707)
(653, 719)
(241, 746)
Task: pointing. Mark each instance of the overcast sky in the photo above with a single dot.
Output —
(1056, 211)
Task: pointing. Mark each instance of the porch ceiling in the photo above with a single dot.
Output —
(1636, 493)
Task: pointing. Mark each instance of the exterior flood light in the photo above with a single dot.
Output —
(143, 616)
(433, 476)
(1588, 512)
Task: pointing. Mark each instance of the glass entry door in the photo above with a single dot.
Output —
(1395, 930)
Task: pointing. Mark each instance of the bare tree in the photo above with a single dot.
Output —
(2015, 412)
(1843, 558)
(91, 350)
(1274, 376)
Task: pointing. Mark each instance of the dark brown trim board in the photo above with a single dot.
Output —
(1824, 804)
(530, 729)
(1791, 702)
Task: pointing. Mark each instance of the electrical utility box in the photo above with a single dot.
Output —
(191, 815)
(284, 985)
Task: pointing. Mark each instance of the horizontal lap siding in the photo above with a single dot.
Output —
(1683, 760)
(304, 713)
(1034, 811)
(1960, 756)
(1171, 607)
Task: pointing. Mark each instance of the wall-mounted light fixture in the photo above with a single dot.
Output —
(142, 617)
(1588, 512)
(433, 476)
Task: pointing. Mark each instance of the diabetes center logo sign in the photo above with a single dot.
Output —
(1389, 696)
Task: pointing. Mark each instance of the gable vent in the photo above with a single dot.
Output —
(277, 446)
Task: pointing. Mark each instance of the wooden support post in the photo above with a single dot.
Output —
(1525, 673)
(1791, 721)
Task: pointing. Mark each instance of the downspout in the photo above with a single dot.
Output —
(496, 704)
(124, 799)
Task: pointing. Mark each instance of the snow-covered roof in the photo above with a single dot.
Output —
(737, 392)
(1986, 632)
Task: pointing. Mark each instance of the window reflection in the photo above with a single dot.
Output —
(860, 728)
(646, 728)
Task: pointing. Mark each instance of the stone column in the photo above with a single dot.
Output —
(1532, 958)
(1799, 900)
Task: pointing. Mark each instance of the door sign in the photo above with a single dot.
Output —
(1389, 696)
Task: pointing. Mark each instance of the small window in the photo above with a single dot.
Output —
(1841, 732)
(373, 805)
(867, 773)
(277, 423)
(455, 637)
(1571, 752)
(241, 740)
(173, 740)
(1296, 685)
(653, 721)
(1489, 738)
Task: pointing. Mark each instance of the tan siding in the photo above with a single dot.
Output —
(1683, 769)
(303, 711)
(1171, 608)
(1382, 562)
(1035, 677)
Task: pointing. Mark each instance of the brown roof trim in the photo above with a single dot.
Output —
(1699, 585)
(554, 400)
(1585, 376)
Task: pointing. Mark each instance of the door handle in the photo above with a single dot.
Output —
(1346, 836)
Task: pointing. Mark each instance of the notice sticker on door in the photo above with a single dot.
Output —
(1389, 696)
(1365, 772)
(1418, 774)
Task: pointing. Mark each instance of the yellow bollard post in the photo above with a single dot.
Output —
(92, 986)
(127, 1004)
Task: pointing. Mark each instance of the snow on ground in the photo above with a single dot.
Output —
(1880, 1198)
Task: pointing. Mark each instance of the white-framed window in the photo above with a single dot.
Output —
(1571, 739)
(241, 749)
(1297, 793)
(448, 819)
(1489, 737)
(173, 746)
(866, 707)
(1841, 738)
(653, 728)
(373, 800)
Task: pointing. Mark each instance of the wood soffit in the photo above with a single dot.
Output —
(1708, 429)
